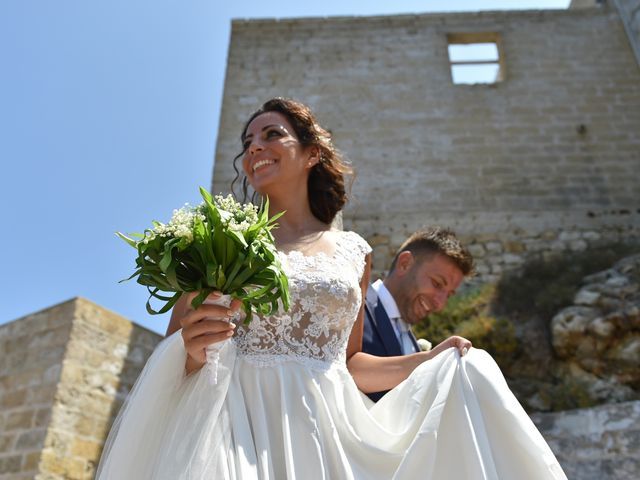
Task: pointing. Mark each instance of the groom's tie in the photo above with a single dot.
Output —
(404, 336)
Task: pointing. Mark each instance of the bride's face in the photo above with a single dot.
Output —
(273, 155)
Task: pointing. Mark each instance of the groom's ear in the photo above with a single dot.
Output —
(404, 262)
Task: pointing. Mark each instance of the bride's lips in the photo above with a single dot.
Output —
(261, 164)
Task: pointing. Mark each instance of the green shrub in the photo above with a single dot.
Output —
(468, 314)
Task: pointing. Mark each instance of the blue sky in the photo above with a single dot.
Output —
(108, 119)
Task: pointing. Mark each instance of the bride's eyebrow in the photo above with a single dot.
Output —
(280, 127)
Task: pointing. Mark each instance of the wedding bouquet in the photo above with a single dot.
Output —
(220, 245)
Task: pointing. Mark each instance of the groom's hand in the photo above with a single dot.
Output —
(460, 343)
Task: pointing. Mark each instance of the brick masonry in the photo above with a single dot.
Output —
(547, 158)
(630, 14)
(65, 373)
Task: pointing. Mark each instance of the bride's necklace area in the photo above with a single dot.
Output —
(307, 244)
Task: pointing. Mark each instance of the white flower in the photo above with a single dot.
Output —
(242, 216)
(424, 344)
(180, 225)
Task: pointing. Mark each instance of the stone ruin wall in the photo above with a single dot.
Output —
(65, 373)
(32, 353)
(630, 14)
(546, 161)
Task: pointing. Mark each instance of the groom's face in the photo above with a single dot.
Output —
(424, 284)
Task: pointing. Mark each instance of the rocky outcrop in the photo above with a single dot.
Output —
(598, 337)
(595, 443)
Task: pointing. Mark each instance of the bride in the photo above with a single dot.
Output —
(288, 402)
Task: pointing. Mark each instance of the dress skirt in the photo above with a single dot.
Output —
(284, 417)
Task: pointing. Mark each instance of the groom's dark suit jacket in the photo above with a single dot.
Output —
(379, 336)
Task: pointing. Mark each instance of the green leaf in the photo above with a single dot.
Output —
(130, 241)
(168, 306)
(197, 301)
(137, 272)
(238, 238)
(233, 272)
(220, 278)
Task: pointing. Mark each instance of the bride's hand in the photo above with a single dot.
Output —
(204, 326)
(462, 344)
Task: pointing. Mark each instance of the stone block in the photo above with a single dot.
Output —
(30, 440)
(84, 425)
(513, 246)
(375, 240)
(601, 327)
(586, 297)
(627, 351)
(494, 247)
(19, 420)
(13, 399)
(90, 426)
(512, 260)
(7, 441)
(10, 464)
(579, 245)
(87, 449)
(477, 250)
(591, 236)
(42, 417)
(51, 464)
(41, 394)
(30, 462)
(567, 327)
(556, 247)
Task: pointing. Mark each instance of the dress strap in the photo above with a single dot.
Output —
(354, 248)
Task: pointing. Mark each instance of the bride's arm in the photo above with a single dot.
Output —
(376, 374)
(179, 310)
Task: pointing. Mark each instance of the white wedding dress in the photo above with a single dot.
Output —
(285, 406)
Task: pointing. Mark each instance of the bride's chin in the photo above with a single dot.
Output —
(259, 187)
(264, 186)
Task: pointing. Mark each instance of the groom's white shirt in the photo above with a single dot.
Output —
(390, 306)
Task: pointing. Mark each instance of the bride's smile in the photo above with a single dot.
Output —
(273, 154)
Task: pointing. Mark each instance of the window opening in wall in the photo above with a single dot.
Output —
(475, 58)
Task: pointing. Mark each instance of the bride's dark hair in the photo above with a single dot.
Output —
(326, 184)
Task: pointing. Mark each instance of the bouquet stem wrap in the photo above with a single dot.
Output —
(213, 351)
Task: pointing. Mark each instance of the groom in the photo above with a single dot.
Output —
(426, 271)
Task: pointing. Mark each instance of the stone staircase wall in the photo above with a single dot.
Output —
(600, 443)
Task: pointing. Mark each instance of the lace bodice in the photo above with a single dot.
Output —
(325, 300)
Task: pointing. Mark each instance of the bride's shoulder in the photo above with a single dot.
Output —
(351, 240)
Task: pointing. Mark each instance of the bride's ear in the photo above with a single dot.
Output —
(314, 157)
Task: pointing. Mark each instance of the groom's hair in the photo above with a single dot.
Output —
(429, 241)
